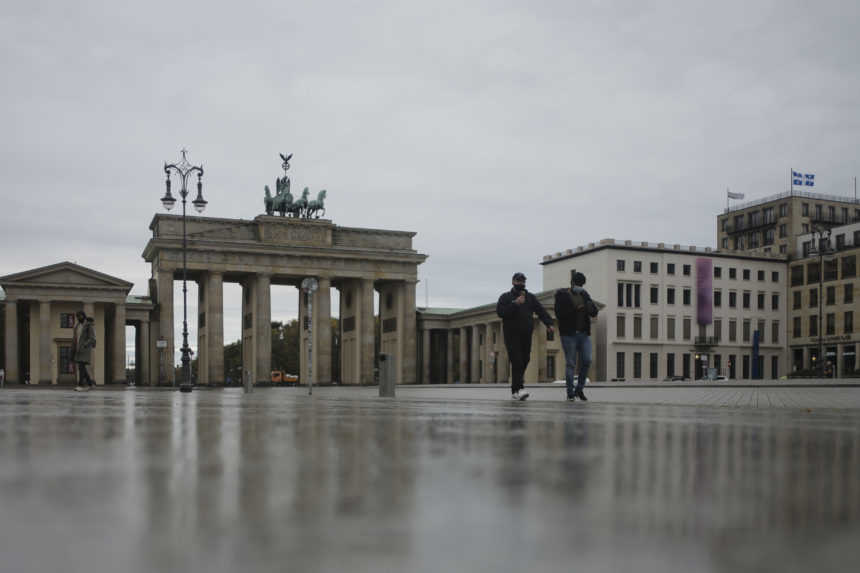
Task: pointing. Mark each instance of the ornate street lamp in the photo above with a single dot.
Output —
(821, 245)
(184, 169)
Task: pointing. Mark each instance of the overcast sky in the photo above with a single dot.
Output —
(498, 131)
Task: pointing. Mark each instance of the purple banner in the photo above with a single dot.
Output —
(704, 291)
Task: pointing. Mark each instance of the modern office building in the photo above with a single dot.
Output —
(679, 311)
(825, 302)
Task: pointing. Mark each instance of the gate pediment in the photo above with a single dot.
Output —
(284, 231)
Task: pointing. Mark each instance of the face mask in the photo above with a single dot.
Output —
(519, 288)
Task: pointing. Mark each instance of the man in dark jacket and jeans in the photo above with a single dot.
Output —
(574, 310)
(515, 307)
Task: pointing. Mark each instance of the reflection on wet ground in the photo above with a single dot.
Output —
(343, 481)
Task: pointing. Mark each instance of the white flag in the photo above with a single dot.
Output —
(734, 195)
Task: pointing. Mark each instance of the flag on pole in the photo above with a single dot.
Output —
(807, 179)
(731, 195)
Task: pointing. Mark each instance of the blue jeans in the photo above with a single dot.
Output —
(577, 345)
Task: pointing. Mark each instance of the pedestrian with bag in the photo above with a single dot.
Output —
(515, 308)
(82, 350)
(574, 310)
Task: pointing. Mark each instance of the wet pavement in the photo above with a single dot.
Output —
(434, 480)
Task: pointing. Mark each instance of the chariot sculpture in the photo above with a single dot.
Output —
(283, 202)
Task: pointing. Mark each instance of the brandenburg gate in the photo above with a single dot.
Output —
(270, 250)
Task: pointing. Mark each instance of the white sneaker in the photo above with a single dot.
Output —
(79, 388)
(519, 395)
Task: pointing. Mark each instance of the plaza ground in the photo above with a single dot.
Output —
(692, 478)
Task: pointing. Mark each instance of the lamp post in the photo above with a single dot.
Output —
(184, 169)
(822, 247)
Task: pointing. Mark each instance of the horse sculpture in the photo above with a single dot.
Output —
(268, 202)
(300, 205)
(316, 207)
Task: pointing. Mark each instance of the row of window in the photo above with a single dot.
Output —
(825, 244)
(746, 274)
(766, 216)
(810, 273)
(629, 295)
(686, 363)
(829, 324)
(755, 240)
(829, 296)
(621, 264)
(687, 326)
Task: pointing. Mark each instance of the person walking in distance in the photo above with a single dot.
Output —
(574, 310)
(82, 350)
(515, 308)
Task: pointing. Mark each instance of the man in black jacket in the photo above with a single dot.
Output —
(574, 310)
(515, 307)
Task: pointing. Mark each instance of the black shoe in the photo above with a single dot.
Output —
(579, 394)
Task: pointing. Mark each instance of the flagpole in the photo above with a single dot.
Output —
(791, 180)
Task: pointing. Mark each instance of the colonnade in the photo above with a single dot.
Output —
(481, 355)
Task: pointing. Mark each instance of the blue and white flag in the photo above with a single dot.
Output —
(807, 179)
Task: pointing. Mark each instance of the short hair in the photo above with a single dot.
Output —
(80, 314)
(578, 279)
(518, 277)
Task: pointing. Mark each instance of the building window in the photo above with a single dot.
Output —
(831, 295)
(718, 329)
(746, 299)
(783, 231)
(67, 320)
(670, 268)
(686, 296)
(67, 366)
(670, 327)
(654, 294)
(733, 273)
(813, 325)
(629, 294)
(848, 323)
(830, 323)
(670, 365)
(652, 370)
(840, 241)
(831, 269)
(733, 299)
(813, 298)
(746, 331)
(550, 367)
(718, 298)
(718, 272)
(655, 268)
(745, 366)
(804, 228)
(783, 249)
(637, 266)
(795, 297)
(783, 210)
(619, 326)
(848, 294)
(619, 265)
(760, 275)
(849, 265)
(687, 328)
(725, 242)
(768, 237)
(812, 273)
(746, 273)
(796, 330)
(685, 364)
(797, 275)
(637, 327)
(686, 270)
(620, 294)
(670, 295)
(774, 332)
(760, 331)
(818, 212)
(619, 364)
(654, 329)
(637, 365)
(637, 291)
(804, 210)
(774, 301)
(774, 276)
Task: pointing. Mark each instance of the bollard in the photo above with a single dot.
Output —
(249, 386)
(386, 376)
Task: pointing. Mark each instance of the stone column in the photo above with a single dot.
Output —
(214, 306)
(322, 332)
(366, 330)
(44, 343)
(487, 355)
(164, 280)
(464, 350)
(11, 342)
(449, 356)
(475, 377)
(504, 362)
(406, 329)
(143, 352)
(118, 345)
(262, 328)
(425, 355)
